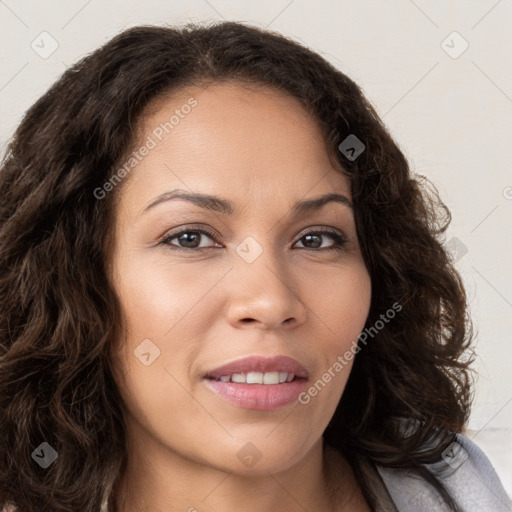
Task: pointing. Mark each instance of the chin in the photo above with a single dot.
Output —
(262, 454)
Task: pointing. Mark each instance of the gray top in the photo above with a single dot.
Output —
(465, 471)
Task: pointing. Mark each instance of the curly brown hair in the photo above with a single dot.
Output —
(59, 313)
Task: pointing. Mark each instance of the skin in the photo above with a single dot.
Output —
(207, 306)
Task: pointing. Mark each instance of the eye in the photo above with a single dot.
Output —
(314, 239)
(188, 238)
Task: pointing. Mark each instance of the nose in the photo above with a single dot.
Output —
(264, 296)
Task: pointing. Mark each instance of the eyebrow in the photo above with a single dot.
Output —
(217, 204)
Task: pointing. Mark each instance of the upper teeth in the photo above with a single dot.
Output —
(259, 378)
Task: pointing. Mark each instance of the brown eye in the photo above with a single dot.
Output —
(314, 240)
(188, 239)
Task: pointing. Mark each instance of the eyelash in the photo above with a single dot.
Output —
(339, 240)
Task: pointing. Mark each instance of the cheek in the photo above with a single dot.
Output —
(156, 296)
(340, 310)
(340, 303)
(155, 349)
(164, 307)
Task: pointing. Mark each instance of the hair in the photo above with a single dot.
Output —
(59, 314)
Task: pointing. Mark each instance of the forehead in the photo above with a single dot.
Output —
(237, 139)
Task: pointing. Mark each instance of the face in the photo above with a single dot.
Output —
(247, 289)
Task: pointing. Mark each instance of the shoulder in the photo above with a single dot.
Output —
(467, 474)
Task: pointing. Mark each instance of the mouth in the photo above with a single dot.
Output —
(267, 378)
(259, 383)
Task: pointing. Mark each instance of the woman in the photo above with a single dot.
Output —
(222, 287)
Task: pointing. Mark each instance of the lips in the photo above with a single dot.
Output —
(263, 365)
(258, 383)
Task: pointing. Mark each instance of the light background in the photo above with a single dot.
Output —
(450, 111)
